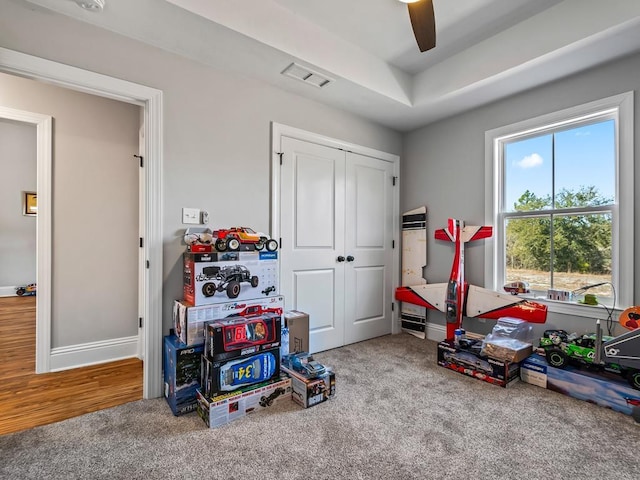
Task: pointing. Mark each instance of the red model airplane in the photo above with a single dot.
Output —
(457, 299)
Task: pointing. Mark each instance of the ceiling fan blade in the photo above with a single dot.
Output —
(423, 22)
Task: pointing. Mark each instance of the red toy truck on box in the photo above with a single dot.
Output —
(232, 238)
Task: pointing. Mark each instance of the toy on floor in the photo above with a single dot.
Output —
(26, 290)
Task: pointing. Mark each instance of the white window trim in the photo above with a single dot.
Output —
(623, 222)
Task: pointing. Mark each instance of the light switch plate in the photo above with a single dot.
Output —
(191, 215)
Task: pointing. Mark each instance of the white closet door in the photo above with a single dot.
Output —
(312, 230)
(336, 225)
(368, 247)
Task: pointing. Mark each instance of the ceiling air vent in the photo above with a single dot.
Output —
(307, 75)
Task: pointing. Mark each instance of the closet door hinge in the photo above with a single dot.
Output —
(141, 160)
(393, 180)
(393, 244)
(139, 322)
(280, 154)
(141, 242)
(148, 264)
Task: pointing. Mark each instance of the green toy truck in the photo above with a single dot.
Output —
(620, 355)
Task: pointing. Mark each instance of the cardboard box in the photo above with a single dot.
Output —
(308, 392)
(225, 376)
(497, 372)
(297, 325)
(222, 409)
(188, 321)
(602, 388)
(501, 349)
(211, 278)
(241, 336)
(181, 366)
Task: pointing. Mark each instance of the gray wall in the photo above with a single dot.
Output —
(443, 168)
(95, 209)
(216, 123)
(17, 231)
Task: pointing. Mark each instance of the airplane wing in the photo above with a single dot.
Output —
(483, 303)
(414, 259)
(431, 295)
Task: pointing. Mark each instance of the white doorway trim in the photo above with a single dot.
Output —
(278, 131)
(151, 100)
(43, 124)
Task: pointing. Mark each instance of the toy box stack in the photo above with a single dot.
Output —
(240, 368)
(230, 290)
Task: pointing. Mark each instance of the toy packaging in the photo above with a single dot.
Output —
(189, 321)
(224, 408)
(602, 388)
(241, 336)
(228, 375)
(309, 392)
(297, 325)
(491, 370)
(216, 277)
(181, 365)
(510, 340)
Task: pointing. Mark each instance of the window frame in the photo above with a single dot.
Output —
(618, 107)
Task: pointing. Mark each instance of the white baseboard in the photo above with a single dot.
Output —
(7, 291)
(74, 356)
(436, 332)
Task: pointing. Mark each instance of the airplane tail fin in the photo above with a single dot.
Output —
(467, 233)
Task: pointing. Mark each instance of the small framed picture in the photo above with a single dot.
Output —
(29, 203)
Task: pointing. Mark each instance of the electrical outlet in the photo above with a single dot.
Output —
(191, 215)
(204, 217)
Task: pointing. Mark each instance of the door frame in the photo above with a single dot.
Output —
(279, 130)
(43, 124)
(150, 100)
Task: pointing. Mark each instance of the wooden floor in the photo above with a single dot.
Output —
(28, 400)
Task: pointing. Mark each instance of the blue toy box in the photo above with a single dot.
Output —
(605, 389)
(181, 365)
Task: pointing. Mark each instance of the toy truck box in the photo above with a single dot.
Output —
(215, 277)
(225, 376)
(602, 388)
(181, 364)
(241, 336)
(296, 324)
(189, 321)
(491, 370)
(225, 408)
(308, 392)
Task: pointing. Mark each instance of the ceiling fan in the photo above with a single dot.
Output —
(423, 23)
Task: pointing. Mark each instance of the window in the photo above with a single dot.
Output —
(561, 201)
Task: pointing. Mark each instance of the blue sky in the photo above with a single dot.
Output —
(584, 156)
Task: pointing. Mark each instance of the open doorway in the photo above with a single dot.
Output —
(149, 319)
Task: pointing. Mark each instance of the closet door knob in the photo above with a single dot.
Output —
(350, 258)
(340, 258)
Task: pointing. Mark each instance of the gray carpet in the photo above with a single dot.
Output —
(396, 415)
